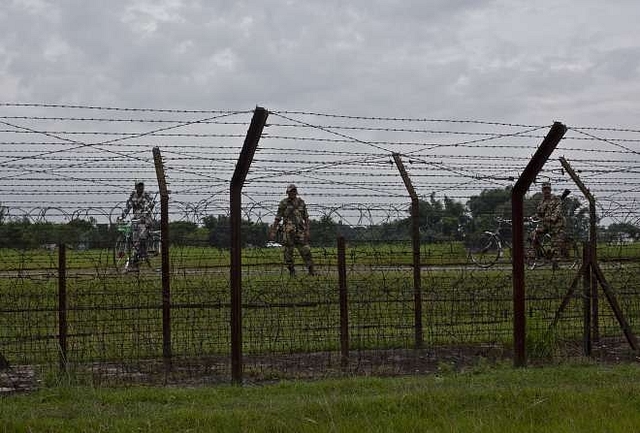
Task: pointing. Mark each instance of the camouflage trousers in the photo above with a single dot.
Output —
(297, 240)
(140, 232)
(558, 240)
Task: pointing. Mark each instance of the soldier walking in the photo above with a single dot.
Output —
(292, 213)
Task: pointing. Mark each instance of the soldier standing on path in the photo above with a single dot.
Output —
(292, 212)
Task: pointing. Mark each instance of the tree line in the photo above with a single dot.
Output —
(439, 220)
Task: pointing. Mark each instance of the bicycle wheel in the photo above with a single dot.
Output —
(153, 244)
(530, 258)
(485, 251)
(121, 253)
(572, 255)
(540, 254)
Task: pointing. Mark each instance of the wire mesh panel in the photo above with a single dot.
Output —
(68, 170)
(28, 315)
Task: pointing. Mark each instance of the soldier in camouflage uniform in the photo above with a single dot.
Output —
(142, 205)
(292, 212)
(552, 221)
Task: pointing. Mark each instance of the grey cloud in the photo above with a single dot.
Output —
(446, 58)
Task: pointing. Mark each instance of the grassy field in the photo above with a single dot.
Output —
(183, 257)
(400, 253)
(571, 398)
(115, 317)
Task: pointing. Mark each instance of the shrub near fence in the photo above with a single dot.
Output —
(291, 326)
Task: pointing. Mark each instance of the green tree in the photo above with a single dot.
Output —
(430, 217)
(78, 232)
(13, 234)
(219, 228)
(484, 208)
(181, 232)
(455, 217)
(323, 231)
(441, 220)
(618, 232)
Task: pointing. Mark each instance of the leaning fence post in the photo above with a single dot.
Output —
(237, 182)
(164, 254)
(415, 240)
(593, 242)
(520, 188)
(62, 305)
(344, 305)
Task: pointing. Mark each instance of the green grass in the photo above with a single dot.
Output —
(395, 254)
(115, 317)
(571, 398)
(185, 257)
(119, 317)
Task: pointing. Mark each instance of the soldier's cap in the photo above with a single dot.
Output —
(139, 183)
(291, 187)
(546, 185)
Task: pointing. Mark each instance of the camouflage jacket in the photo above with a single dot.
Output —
(293, 214)
(550, 212)
(142, 206)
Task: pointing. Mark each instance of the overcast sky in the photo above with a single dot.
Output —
(521, 61)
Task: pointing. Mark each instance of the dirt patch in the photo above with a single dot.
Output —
(212, 370)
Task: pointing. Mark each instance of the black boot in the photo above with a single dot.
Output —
(292, 271)
(311, 270)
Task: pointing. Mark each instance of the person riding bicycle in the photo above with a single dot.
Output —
(552, 221)
(142, 204)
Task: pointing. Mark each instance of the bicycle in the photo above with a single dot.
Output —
(487, 248)
(542, 252)
(126, 257)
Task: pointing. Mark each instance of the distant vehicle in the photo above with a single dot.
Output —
(272, 244)
(622, 239)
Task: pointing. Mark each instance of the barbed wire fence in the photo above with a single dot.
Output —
(62, 163)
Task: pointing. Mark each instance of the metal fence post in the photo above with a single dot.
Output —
(586, 301)
(164, 252)
(520, 188)
(344, 303)
(237, 181)
(62, 305)
(415, 241)
(592, 245)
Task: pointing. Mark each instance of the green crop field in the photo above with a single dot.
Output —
(116, 317)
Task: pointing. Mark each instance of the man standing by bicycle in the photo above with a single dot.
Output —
(552, 221)
(142, 204)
